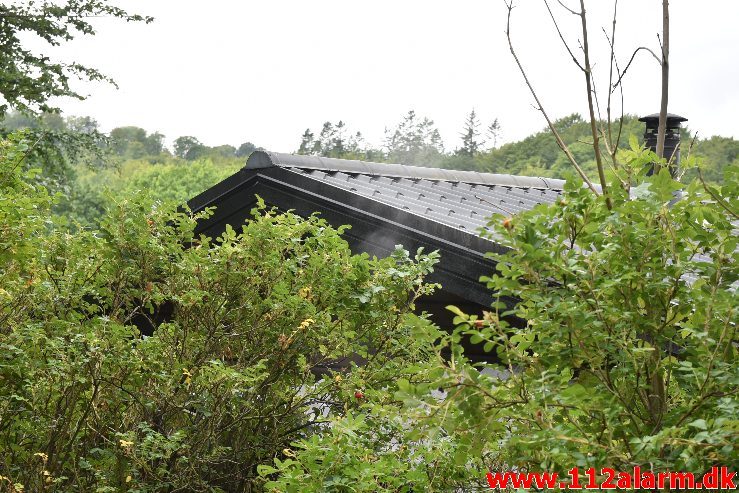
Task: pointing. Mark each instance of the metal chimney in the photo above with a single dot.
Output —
(672, 137)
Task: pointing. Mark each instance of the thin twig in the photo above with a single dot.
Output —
(28, 151)
(589, 89)
(567, 8)
(633, 55)
(540, 108)
(665, 89)
(494, 205)
(567, 47)
(621, 119)
(692, 143)
(611, 44)
(715, 197)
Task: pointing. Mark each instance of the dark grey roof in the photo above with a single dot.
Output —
(386, 205)
(264, 159)
(463, 200)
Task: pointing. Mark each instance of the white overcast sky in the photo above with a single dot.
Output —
(263, 71)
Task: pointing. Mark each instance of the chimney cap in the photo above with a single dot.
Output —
(673, 120)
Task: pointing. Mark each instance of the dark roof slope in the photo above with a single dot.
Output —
(463, 200)
(386, 205)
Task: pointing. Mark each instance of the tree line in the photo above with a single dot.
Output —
(416, 141)
(86, 165)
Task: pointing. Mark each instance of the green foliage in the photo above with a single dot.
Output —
(335, 141)
(24, 205)
(245, 149)
(628, 356)
(245, 326)
(539, 154)
(373, 451)
(28, 80)
(471, 140)
(184, 145)
(86, 166)
(715, 155)
(134, 143)
(414, 141)
(177, 182)
(58, 146)
(170, 180)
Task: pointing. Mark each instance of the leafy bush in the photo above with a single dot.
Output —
(171, 181)
(256, 339)
(281, 362)
(628, 357)
(629, 353)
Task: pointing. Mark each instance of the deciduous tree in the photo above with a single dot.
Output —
(28, 80)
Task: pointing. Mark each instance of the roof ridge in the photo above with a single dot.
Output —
(266, 159)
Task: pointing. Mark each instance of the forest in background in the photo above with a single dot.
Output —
(89, 166)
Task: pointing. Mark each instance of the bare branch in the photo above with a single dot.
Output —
(680, 172)
(692, 143)
(613, 145)
(589, 90)
(632, 59)
(662, 128)
(567, 8)
(540, 108)
(613, 165)
(621, 119)
(597, 103)
(567, 47)
(611, 44)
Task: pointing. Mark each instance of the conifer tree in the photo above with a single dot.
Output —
(471, 143)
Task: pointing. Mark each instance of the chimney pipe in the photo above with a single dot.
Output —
(672, 138)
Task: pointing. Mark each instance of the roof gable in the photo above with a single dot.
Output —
(386, 205)
(463, 200)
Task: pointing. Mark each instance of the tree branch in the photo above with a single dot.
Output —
(715, 197)
(589, 89)
(611, 44)
(662, 128)
(567, 47)
(567, 8)
(540, 108)
(648, 50)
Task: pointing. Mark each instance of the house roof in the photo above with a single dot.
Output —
(387, 205)
(463, 200)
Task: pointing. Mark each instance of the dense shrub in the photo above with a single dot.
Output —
(628, 357)
(245, 326)
(282, 362)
